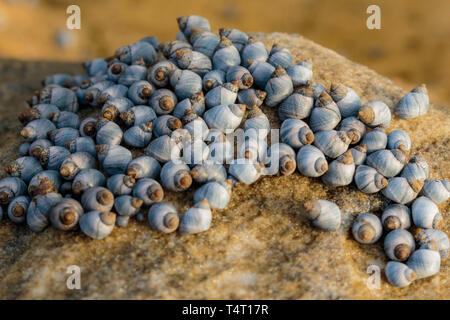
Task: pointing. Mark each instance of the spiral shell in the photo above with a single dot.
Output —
(396, 216)
(139, 136)
(296, 133)
(280, 157)
(114, 158)
(434, 240)
(11, 187)
(401, 191)
(38, 210)
(298, 105)
(44, 182)
(195, 125)
(346, 99)
(204, 41)
(39, 111)
(255, 51)
(375, 113)
(175, 176)
(86, 179)
(280, 56)
(368, 180)
(17, 209)
(139, 92)
(97, 224)
(163, 217)
(399, 244)
(261, 72)
(354, 126)
(143, 167)
(311, 161)
(66, 214)
(367, 228)
(87, 127)
(197, 219)
(323, 214)
(399, 274)
(37, 129)
(82, 144)
(24, 168)
(222, 95)
(65, 119)
(237, 37)
(138, 115)
(241, 75)
(196, 103)
(108, 132)
(97, 198)
(213, 79)
(225, 117)
(340, 171)
(149, 190)
(413, 104)
(425, 214)
(375, 140)
(120, 184)
(134, 52)
(437, 190)
(226, 55)
(63, 98)
(160, 72)
(424, 262)
(187, 23)
(301, 74)
(163, 101)
(278, 87)
(389, 163)
(163, 149)
(245, 170)
(127, 205)
(398, 139)
(416, 169)
(217, 193)
(332, 143)
(258, 122)
(208, 172)
(325, 115)
(359, 154)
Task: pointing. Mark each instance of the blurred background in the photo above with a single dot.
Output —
(413, 45)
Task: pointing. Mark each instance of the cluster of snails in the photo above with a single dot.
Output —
(179, 102)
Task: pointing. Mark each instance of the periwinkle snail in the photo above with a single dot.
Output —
(359, 153)
(11, 187)
(86, 179)
(388, 162)
(97, 224)
(148, 190)
(255, 51)
(257, 121)
(400, 190)
(82, 144)
(75, 163)
(217, 193)
(138, 136)
(163, 149)
(332, 143)
(340, 171)
(127, 205)
(163, 217)
(398, 139)
(38, 211)
(108, 132)
(281, 157)
(251, 97)
(424, 262)
(39, 111)
(237, 37)
(17, 209)
(44, 182)
(298, 105)
(213, 79)
(138, 115)
(366, 228)
(355, 127)
(396, 216)
(368, 180)
(195, 103)
(207, 172)
(197, 219)
(24, 168)
(375, 113)
(434, 240)
(222, 94)
(225, 117)
(399, 244)
(120, 184)
(65, 119)
(278, 87)
(175, 176)
(143, 167)
(280, 56)
(413, 104)
(375, 140)
(346, 99)
(301, 73)
(226, 55)
(66, 214)
(436, 190)
(261, 71)
(97, 198)
(139, 92)
(399, 274)
(160, 73)
(163, 101)
(114, 158)
(245, 170)
(325, 115)
(37, 129)
(296, 133)
(60, 137)
(425, 214)
(204, 41)
(311, 161)
(241, 75)
(323, 214)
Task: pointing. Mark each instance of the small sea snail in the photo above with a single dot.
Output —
(163, 149)
(323, 214)
(221, 150)
(413, 104)
(149, 190)
(217, 193)
(75, 163)
(114, 91)
(37, 146)
(160, 73)
(64, 98)
(165, 125)
(139, 92)
(296, 133)
(136, 51)
(17, 209)
(261, 72)
(280, 56)
(97, 198)
(204, 41)
(354, 126)
(163, 101)
(24, 168)
(400, 190)
(278, 87)
(258, 121)
(38, 210)
(424, 262)
(225, 117)
(436, 190)
(196, 103)
(325, 115)
(114, 107)
(198, 62)
(375, 113)
(60, 137)
(65, 119)
(396, 216)
(195, 125)
(86, 179)
(366, 228)
(245, 170)
(175, 176)
(139, 136)
(298, 105)
(253, 147)
(195, 152)
(368, 180)
(138, 115)
(301, 74)
(163, 217)
(399, 274)
(332, 143)
(88, 127)
(197, 219)
(359, 153)
(108, 132)
(346, 99)
(416, 169)
(185, 83)
(11, 187)
(398, 139)
(399, 244)
(208, 171)
(280, 157)
(311, 161)
(375, 140)
(169, 49)
(389, 163)
(120, 184)
(241, 75)
(255, 51)
(187, 23)
(127, 205)
(435, 240)
(39, 111)
(66, 214)
(82, 144)
(97, 224)
(237, 37)
(143, 167)
(213, 79)
(340, 171)
(44, 182)
(425, 214)
(114, 158)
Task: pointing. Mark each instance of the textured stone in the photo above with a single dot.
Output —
(257, 248)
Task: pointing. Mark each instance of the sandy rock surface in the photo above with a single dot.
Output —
(257, 248)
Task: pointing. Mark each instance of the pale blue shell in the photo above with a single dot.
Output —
(123, 206)
(224, 117)
(137, 136)
(425, 213)
(109, 133)
(82, 144)
(245, 170)
(206, 43)
(395, 238)
(278, 89)
(301, 74)
(24, 202)
(382, 114)
(399, 274)
(56, 156)
(220, 95)
(52, 175)
(116, 160)
(28, 167)
(65, 119)
(296, 106)
(39, 209)
(437, 190)
(169, 171)
(427, 238)
(197, 219)
(147, 167)
(89, 200)
(261, 72)
(397, 139)
(226, 57)
(157, 215)
(367, 179)
(309, 160)
(375, 140)
(213, 79)
(60, 137)
(135, 92)
(217, 193)
(293, 132)
(185, 83)
(413, 104)
(254, 50)
(39, 129)
(208, 172)
(339, 174)
(399, 190)
(424, 262)
(163, 149)
(400, 212)
(385, 162)
(331, 142)
(118, 185)
(92, 225)
(370, 219)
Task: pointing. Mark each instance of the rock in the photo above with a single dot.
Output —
(257, 248)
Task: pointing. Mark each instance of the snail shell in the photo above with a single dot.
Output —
(175, 176)
(82, 144)
(163, 217)
(39, 111)
(24, 168)
(149, 190)
(87, 178)
(298, 105)
(398, 139)
(114, 107)
(127, 205)
(163, 101)
(437, 190)
(399, 274)
(17, 209)
(139, 92)
(139, 136)
(37, 129)
(87, 127)
(375, 140)
(135, 52)
(122, 221)
(66, 214)
(340, 171)
(221, 150)
(204, 41)
(359, 154)
(245, 170)
(375, 113)
(241, 75)
(193, 60)
(296, 133)
(251, 97)
(280, 56)
(425, 214)
(396, 216)
(424, 262)
(389, 163)
(416, 169)
(60, 137)
(323, 214)
(208, 172)
(138, 115)
(75, 163)
(399, 244)
(11, 187)
(188, 23)
(160, 72)
(24, 149)
(217, 193)
(346, 99)
(301, 74)
(108, 132)
(401, 191)
(253, 147)
(226, 55)
(355, 127)
(120, 184)
(44, 182)
(114, 158)
(38, 210)
(169, 49)
(197, 219)
(143, 167)
(280, 157)
(213, 79)
(97, 198)
(225, 117)
(37, 146)
(367, 228)
(97, 224)
(114, 91)
(413, 104)
(325, 115)
(163, 149)
(195, 152)
(332, 143)
(195, 125)
(278, 88)
(311, 161)
(65, 119)
(261, 72)
(258, 121)
(434, 240)
(255, 51)
(196, 103)
(237, 37)
(368, 180)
